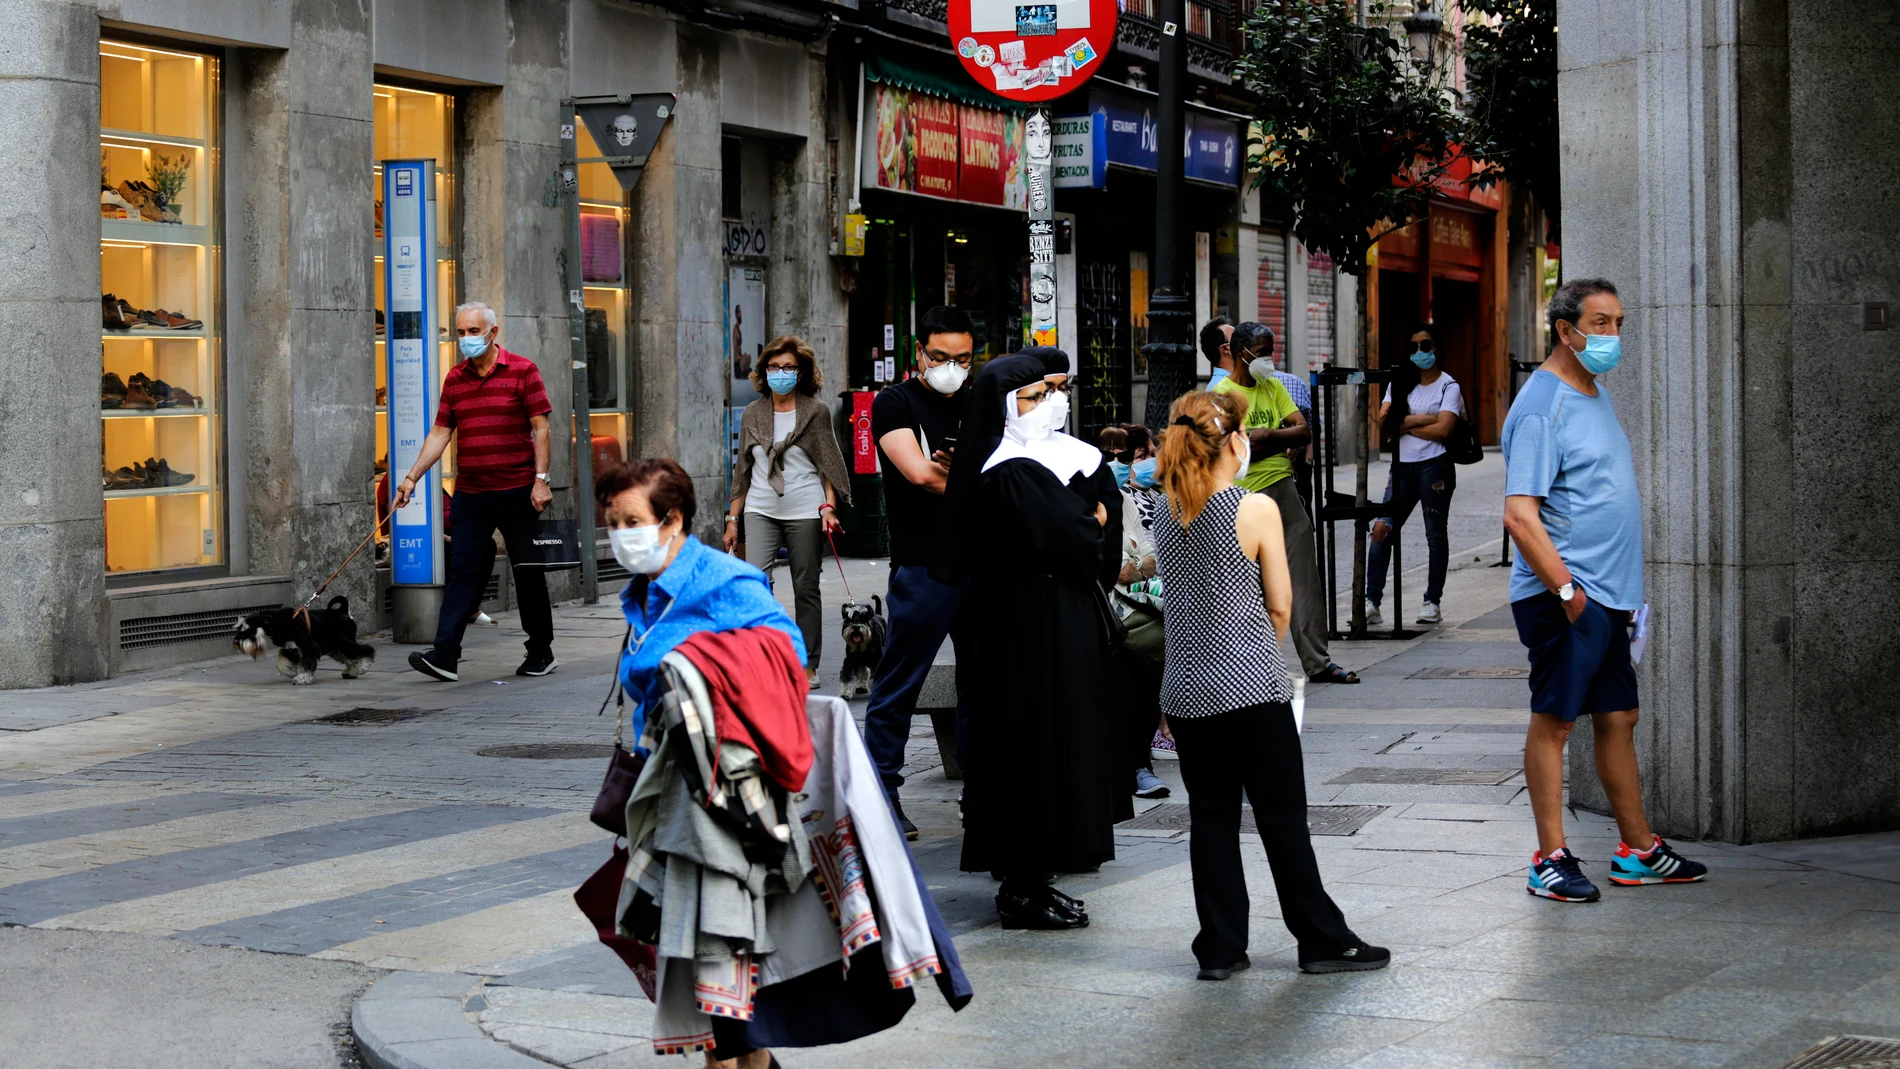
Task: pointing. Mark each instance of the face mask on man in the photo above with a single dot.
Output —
(1144, 473)
(473, 345)
(638, 549)
(1261, 368)
(946, 378)
(1600, 353)
(1119, 470)
(781, 382)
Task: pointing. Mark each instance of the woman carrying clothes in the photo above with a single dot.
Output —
(1226, 694)
(680, 587)
(1416, 420)
(787, 480)
(1035, 524)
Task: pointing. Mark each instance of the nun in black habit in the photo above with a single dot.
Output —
(1035, 525)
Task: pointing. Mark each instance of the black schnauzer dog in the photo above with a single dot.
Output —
(304, 637)
(864, 628)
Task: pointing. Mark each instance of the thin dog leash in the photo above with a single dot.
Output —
(840, 561)
(303, 610)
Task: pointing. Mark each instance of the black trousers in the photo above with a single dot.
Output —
(473, 520)
(1138, 682)
(1256, 748)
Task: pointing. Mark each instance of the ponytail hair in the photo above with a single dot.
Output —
(1198, 426)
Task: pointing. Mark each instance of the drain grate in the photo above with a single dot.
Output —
(366, 715)
(1850, 1052)
(1427, 777)
(550, 751)
(1320, 819)
(1489, 671)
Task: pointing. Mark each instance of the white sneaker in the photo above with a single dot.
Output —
(1373, 617)
(1430, 614)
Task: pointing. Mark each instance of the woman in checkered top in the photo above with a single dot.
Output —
(1226, 694)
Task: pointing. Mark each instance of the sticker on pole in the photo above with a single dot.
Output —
(1031, 52)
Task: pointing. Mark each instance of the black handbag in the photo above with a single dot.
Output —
(1463, 443)
(623, 767)
(555, 547)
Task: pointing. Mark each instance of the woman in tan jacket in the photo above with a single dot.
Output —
(789, 475)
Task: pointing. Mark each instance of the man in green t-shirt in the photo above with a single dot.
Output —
(1275, 427)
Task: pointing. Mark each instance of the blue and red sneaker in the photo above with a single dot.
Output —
(1659, 864)
(1560, 876)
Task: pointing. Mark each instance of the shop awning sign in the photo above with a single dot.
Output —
(1081, 151)
(934, 147)
(1213, 149)
(1032, 51)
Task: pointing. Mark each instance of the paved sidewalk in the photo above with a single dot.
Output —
(210, 807)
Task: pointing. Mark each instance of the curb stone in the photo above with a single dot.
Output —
(419, 1020)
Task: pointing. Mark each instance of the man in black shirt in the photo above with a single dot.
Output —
(915, 424)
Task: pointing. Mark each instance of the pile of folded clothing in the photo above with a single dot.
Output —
(765, 867)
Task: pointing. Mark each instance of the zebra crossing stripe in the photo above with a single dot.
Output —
(284, 888)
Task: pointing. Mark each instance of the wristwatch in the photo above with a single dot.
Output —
(541, 475)
(1567, 591)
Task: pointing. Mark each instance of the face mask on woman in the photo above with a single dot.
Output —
(639, 549)
(782, 382)
(1039, 422)
(1144, 473)
(473, 346)
(1423, 359)
(946, 378)
(1119, 470)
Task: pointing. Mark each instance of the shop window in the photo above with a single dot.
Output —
(604, 279)
(414, 124)
(159, 389)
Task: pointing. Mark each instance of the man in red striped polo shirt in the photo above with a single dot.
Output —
(495, 407)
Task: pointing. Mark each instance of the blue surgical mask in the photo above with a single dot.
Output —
(473, 346)
(1144, 473)
(1423, 359)
(1119, 470)
(782, 381)
(1601, 353)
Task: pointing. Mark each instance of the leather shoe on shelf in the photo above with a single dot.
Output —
(111, 391)
(109, 309)
(163, 475)
(179, 321)
(139, 396)
(123, 479)
(382, 396)
(183, 398)
(110, 201)
(1040, 914)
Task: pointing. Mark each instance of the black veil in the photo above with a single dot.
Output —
(982, 432)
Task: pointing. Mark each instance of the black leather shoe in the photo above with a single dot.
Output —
(538, 664)
(1360, 957)
(1020, 913)
(1223, 973)
(1073, 905)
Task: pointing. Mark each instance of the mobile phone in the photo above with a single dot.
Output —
(947, 444)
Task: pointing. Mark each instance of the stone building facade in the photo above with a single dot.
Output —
(265, 470)
(1730, 166)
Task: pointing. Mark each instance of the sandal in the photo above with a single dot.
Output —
(1332, 673)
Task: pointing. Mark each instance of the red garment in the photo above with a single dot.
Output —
(758, 695)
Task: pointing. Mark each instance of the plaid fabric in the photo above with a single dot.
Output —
(1301, 393)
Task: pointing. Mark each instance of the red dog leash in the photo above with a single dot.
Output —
(303, 610)
(840, 562)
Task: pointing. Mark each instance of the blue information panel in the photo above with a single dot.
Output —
(409, 289)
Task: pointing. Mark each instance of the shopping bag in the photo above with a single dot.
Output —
(555, 547)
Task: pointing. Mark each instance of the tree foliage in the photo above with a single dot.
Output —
(1352, 138)
(1511, 97)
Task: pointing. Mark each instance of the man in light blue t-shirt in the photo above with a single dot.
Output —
(1572, 508)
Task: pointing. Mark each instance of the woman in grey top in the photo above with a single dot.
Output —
(1226, 694)
(786, 484)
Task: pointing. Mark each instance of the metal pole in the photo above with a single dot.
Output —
(577, 356)
(1038, 137)
(1170, 350)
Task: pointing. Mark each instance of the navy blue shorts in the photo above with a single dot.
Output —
(1576, 669)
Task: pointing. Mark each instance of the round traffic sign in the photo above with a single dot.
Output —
(1032, 51)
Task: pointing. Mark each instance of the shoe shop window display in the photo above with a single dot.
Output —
(495, 407)
(158, 246)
